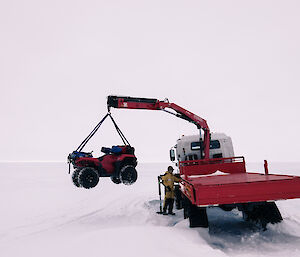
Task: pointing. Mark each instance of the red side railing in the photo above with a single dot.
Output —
(205, 167)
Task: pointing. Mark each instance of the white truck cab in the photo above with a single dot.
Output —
(188, 147)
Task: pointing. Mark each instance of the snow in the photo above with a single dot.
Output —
(43, 214)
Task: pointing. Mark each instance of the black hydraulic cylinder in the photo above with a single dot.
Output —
(112, 100)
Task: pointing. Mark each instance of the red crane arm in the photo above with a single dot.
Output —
(154, 104)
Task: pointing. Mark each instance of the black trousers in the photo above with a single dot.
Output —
(168, 204)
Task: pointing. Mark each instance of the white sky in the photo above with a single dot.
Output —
(234, 63)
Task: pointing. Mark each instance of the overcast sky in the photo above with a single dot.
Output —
(234, 63)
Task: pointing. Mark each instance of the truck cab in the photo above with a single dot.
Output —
(191, 147)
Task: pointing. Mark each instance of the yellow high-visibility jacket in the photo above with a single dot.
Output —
(168, 180)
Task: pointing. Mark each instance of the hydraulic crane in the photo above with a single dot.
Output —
(154, 104)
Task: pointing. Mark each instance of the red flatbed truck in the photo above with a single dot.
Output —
(252, 193)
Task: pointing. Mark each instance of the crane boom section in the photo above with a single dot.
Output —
(126, 102)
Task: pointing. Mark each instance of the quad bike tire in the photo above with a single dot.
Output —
(88, 178)
(115, 180)
(75, 177)
(128, 175)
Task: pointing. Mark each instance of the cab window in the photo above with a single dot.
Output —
(214, 144)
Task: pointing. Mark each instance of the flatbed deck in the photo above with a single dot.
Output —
(235, 185)
(244, 187)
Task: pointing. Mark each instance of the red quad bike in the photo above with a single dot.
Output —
(118, 163)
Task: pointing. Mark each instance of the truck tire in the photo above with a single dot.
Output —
(178, 198)
(226, 207)
(273, 213)
(75, 177)
(115, 180)
(88, 178)
(197, 216)
(262, 213)
(128, 175)
(186, 204)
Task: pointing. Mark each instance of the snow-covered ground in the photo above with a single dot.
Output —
(43, 214)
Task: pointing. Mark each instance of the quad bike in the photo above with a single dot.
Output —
(118, 162)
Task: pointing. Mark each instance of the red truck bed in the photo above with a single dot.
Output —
(236, 185)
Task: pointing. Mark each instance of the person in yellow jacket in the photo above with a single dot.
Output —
(168, 180)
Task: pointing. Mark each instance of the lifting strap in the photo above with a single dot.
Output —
(84, 142)
(124, 139)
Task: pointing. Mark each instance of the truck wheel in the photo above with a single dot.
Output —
(226, 207)
(115, 180)
(273, 213)
(197, 216)
(178, 198)
(186, 204)
(262, 213)
(128, 175)
(75, 177)
(88, 178)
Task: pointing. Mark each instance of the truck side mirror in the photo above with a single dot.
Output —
(172, 155)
